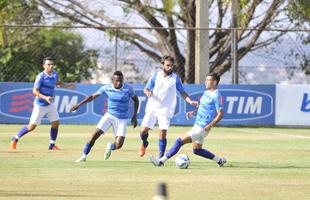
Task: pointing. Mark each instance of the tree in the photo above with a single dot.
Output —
(299, 12)
(23, 48)
(256, 14)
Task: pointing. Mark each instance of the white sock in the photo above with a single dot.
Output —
(163, 159)
(84, 155)
(52, 141)
(216, 158)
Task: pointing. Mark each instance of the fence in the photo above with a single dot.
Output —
(90, 54)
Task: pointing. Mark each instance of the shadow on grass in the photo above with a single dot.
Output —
(37, 194)
(263, 166)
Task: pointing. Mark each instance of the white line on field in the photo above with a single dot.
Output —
(275, 133)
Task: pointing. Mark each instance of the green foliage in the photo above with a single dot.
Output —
(300, 10)
(24, 48)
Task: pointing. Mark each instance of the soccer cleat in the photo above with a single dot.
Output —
(142, 151)
(156, 161)
(13, 143)
(53, 147)
(108, 151)
(222, 162)
(81, 159)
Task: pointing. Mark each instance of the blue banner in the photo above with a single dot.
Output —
(243, 104)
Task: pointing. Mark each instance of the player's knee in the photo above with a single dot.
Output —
(118, 145)
(31, 127)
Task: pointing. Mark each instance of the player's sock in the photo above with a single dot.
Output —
(21, 133)
(144, 139)
(87, 148)
(112, 146)
(162, 147)
(216, 159)
(204, 153)
(53, 135)
(175, 148)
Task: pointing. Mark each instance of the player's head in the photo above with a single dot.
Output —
(117, 79)
(48, 64)
(167, 64)
(212, 80)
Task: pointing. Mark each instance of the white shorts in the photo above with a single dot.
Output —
(39, 112)
(150, 118)
(118, 125)
(197, 134)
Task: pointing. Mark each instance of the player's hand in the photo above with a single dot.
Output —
(134, 122)
(49, 99)
(207, 128)
(148, 93)
(190, 114)
(194, 103)
(74, 108)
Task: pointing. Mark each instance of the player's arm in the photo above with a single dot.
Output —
(37, 93)
(66, 85)
(218, 117)
(134, 121)
(150, 86)
(185, 96)
(84, 101)
(188, 99)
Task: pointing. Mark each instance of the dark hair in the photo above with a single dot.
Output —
(215, 76)
(118, 73)
(47, 58)
(170, 58)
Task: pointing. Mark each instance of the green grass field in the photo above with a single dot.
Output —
(263, 163)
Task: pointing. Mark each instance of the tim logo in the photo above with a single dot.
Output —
(19, 103)
(240, 105)
(305, 105)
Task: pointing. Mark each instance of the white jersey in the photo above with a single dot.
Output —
(164, 89)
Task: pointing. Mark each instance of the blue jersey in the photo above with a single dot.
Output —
(46, 84)
(210, 102)
(118, 99)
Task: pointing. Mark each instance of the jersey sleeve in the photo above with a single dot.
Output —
(131, 92)
(102, 90)
(179, 85)
(38, 81)
(219, 101)
(56, 77)
(151, 83)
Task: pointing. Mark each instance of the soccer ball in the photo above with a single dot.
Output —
(182, 161)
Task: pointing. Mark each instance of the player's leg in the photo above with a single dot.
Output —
(38, 113)
(198, 135)
(53, 116)
(119, 129)
(180, 141)
(90, 143)
(147, 124)
(163, 123)
(102, 126)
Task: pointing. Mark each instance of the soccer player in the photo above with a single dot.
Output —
(161, 91)
(43, 89)
(210, 111)
(119, 95)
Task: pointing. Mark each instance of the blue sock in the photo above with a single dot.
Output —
(162, 147)
(53, 134)
(175, 148)
(204, 153)
(87, 148)
(144, 139)
(22, 132)
(113, 146)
